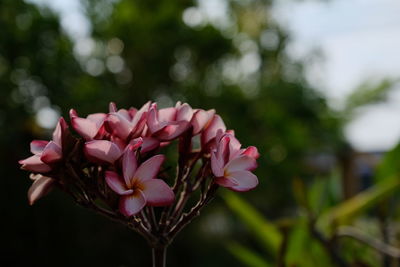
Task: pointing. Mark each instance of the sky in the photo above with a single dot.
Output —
(358, 40)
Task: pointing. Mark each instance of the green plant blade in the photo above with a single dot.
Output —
(349, 209)
(264, 231)
(246, 256)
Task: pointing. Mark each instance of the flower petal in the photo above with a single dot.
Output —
(167, 114)
(59, 131)
(211, 131)
(118, 125)
(34, 164)
(132, 204)
(129, 165)
(157, 193)
(149, 169)
(51, 153)
(37, 146)
(245, 181)
(225, 182)
(102, 151)
(200, 120)
(149, 144)
(251, 151)
(97, 118)
(152, 119)
(217, 165)
(184, 113)
(40, 187)
(242, 163)
(84, 127)
(116, 184)
(172, 130)
(234, 147)
(112, 107)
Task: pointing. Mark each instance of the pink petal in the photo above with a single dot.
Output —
(112, 107)
(34, 164)
(185, 113)
(139, 122)
(84, 127)
(73, 113)
(136, 143)
(225, 182)
(132, 204)
(149, 144)
(97, 118)
(245, 181)
(172, 130)
(129, 165)
(234, 147)
(124, 113)
(132, 112)
(211, 131)
(242, 163)
(223, 149)
(102, 151)
(251, 151)
(152, 119)
(217, 165)
(157, 193)
(40, 187)
(149, 169)
(167, 114)
(37, 146)
(116, 184)
(51, 153)
(119, 126)
(58, 132)
(200, 120)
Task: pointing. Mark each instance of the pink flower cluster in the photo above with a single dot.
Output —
(116, 158)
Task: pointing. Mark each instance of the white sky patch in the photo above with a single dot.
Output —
(359, 41)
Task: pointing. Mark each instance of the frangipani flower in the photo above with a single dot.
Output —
(91, 127)
(169, 123)
(116, 156)
(127, 123)
(138, 187)
(45, 153)
(232, 166)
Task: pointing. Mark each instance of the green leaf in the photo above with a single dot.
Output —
(349, 209)
(264, 231)
(389, 165)
(246, 256)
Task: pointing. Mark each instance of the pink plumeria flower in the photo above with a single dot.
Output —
(138, 187)
(232, 166)
(91, 127)
(127, 124)
(168, 123)
(46, 153)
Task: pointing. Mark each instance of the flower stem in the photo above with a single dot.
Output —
(159, 254)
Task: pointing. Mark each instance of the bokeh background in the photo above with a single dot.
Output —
(313, 84)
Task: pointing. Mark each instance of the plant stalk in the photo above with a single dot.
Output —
(159, 255)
